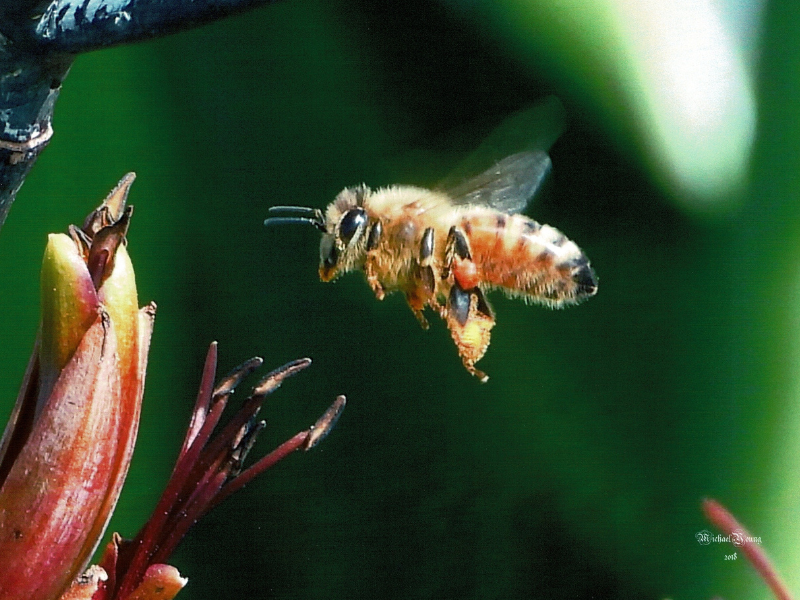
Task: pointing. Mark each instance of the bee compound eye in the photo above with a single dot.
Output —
(352, 222)
(328, 255)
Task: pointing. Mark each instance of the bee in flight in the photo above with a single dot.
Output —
(445, 250)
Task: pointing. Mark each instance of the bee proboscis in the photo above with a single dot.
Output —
(446, 250)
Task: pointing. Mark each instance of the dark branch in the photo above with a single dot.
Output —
(77, 26)
(38, 42)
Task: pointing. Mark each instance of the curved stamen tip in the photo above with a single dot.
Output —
(272, 381)
(325, 423)
(234, 378)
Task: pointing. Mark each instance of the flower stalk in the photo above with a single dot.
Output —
(723, 520)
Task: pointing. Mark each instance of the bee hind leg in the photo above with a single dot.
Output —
(455, 246)
(470, 321)
(458, 261)
(482, 377)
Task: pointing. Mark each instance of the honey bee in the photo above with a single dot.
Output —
(445, 250)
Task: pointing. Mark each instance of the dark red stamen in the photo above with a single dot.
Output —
(209, 467)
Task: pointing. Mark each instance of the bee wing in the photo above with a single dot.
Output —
(508, 186)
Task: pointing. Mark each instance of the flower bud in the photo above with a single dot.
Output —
(66, 452)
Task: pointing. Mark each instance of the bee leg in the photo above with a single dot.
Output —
(426, 269)
(416, 303)
(372, 277)
(455, 246)
(458, 261)
(426, 247)
(482, 377)
(470, 321)
(422, 287)
(483, 305)
(373, 238)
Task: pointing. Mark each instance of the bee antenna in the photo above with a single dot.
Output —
(312, 216)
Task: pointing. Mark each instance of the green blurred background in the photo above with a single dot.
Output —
(578, 470)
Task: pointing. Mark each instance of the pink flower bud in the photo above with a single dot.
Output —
(66, 451)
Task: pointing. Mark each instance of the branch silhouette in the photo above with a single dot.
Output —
(39, 42)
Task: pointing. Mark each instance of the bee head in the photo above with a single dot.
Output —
(343, 245)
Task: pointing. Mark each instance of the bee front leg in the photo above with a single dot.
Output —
(373, 239)
(372, 277)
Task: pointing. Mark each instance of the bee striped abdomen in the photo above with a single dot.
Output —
(527, 259)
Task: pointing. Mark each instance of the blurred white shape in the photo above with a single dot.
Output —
(742, 18)
(691, 92)
(673, 77)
